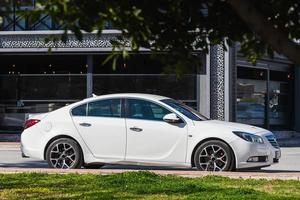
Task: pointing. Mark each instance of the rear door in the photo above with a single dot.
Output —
(102, 127)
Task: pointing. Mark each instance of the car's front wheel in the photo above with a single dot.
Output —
(214, 155)
(64, 153)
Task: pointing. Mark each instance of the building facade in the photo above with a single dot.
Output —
(34, 80)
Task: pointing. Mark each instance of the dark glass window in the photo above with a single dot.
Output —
(105, 108)
(251, 96)
(263, 102)
(140, 109)
(280, 100)
(79, 110)
(187, 111)
(251, 73)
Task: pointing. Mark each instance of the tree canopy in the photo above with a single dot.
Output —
(181, 26)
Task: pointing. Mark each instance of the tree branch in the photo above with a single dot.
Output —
(275, 37)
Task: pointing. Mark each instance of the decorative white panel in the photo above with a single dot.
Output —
(217, 82)
(90, 40)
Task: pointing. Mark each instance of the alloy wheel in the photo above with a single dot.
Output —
(213, 158)
(63, 155)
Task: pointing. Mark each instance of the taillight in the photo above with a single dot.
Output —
(30, 122)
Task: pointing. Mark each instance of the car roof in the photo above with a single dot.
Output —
(126, 95)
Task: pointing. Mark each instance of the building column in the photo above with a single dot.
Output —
(203, 89)
(217, 82)
(89, 76)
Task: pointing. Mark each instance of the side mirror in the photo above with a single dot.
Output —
(171, 118)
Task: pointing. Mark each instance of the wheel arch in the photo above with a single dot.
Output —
(208, 139)
(59, 137)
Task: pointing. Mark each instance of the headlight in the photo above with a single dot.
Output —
(249, 137)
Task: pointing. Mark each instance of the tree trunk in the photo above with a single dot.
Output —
(275, 37)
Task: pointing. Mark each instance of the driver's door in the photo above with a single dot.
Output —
(149, 138)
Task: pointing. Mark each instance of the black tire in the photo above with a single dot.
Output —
(215, 156)
(93, 166)
(64, 153)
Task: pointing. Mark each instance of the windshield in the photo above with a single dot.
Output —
(185, 110)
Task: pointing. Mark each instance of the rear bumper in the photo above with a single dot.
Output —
(30, 146)
(30, 153)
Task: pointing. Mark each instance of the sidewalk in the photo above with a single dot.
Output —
(10, 146)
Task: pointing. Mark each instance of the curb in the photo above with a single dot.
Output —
(191, 174)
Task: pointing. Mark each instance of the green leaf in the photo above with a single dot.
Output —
(114, 64)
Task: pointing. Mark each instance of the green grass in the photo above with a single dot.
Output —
(141, 185)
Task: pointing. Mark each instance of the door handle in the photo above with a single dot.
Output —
(85, 124)
(136, 129)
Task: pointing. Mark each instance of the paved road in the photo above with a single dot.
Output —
(11, 158)
(290, 160)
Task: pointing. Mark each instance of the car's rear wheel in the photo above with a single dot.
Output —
(214, 155)
(64, 153)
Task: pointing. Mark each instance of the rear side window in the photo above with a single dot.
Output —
(79, 110)
(105, 108)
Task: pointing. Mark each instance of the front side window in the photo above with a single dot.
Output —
(185, 110)
(79, 110)
(140, 109)
(105, 108)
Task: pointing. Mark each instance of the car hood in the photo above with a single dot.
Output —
(234, 126)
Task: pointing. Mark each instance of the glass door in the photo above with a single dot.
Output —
(265, 97)
(251, 96)
(280, 100)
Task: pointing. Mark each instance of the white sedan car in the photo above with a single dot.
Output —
(144, 129)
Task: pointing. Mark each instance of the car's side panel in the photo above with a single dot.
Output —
(157, 141)
(105, 137)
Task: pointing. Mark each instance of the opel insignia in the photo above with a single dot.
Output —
(144, 129)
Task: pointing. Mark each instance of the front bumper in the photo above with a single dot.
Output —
(267, 154)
